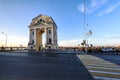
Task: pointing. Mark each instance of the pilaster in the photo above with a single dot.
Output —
(34, 36)
(52, 30)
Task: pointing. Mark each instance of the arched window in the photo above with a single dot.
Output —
(40, 20)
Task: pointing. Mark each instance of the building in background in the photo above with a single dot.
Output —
(39, 25)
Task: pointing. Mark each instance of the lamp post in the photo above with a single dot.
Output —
(84, 25)
(5, 39)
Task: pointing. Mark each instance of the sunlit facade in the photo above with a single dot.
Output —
(39, 25)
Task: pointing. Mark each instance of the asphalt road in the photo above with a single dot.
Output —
(102, 66)
(25, 66)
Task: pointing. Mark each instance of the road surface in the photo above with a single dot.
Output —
(32, 66)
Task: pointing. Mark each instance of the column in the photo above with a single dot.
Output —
(30, 35)
(46, 31)
(34, 36)
(52, 30)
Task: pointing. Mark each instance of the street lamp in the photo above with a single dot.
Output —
(6, 39)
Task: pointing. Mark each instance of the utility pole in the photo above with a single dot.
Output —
(84, 22)
(84, 25)
(86, 34)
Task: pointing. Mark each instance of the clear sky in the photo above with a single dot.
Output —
(102, 17)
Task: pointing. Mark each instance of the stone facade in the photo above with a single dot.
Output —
(39, 25)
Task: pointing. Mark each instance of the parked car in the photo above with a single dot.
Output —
(108, 50)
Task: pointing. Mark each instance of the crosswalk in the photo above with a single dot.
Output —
(99, 68)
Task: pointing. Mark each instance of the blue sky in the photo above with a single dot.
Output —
(102, 17)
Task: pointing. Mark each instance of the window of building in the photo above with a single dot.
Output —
(49, 47)
(32, 41)
(50, 40)
(40, 20)
(49, 31)
(33, 33)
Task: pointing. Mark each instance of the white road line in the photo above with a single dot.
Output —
(104, 78)
(116, 73)
(98, 63)
(103, 68)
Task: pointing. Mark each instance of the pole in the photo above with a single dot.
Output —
(5, 39)
(84, 24)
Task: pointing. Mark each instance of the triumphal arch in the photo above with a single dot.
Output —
(39, 25)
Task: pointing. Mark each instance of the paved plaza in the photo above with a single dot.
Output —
(57, 66)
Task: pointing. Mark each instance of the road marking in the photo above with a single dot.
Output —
(97, 71)
(100, 68)
(116, 68)
(104, 78)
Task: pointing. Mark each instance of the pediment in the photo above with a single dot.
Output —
(42, 19)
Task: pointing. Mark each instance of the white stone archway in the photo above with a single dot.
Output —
(39, 25)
